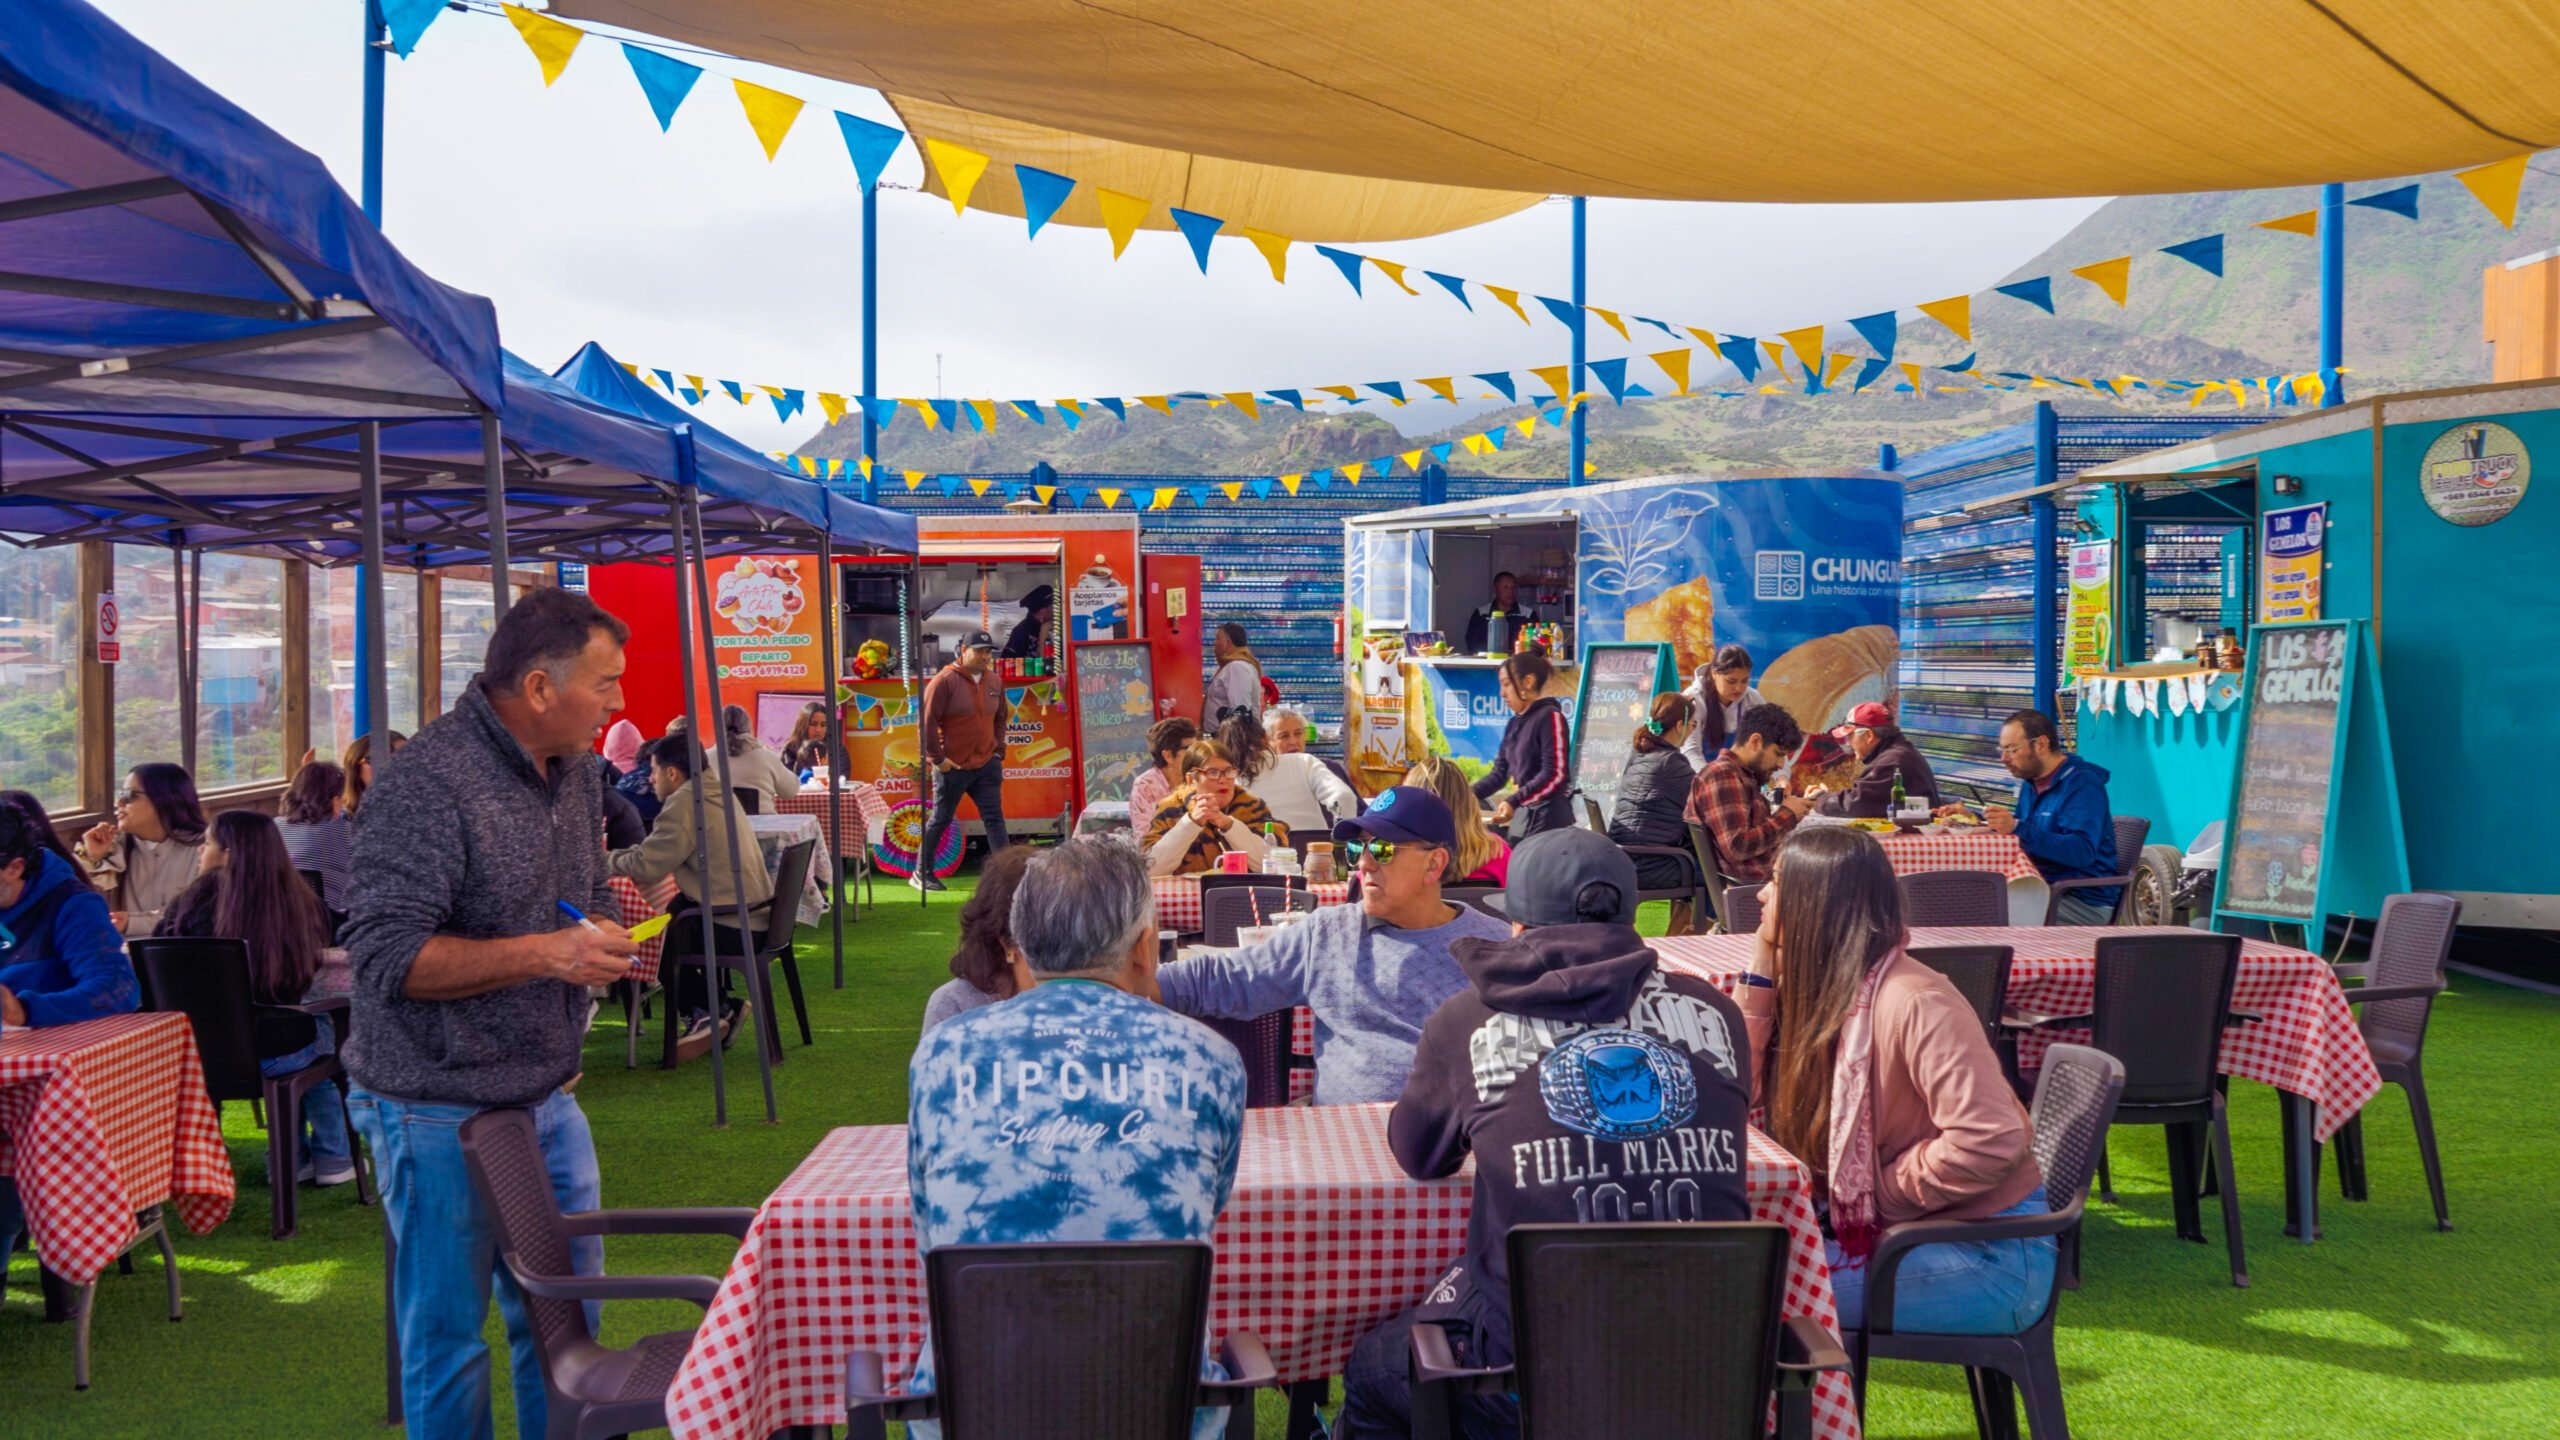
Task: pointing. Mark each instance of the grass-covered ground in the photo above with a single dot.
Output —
(2386, 1328)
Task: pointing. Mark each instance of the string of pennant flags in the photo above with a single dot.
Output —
(667, 82)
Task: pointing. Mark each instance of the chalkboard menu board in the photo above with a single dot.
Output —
(1618, 686)
(1115, 707)
(2276, 846)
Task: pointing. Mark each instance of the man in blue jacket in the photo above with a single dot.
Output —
(2061, 819)
(61, 959)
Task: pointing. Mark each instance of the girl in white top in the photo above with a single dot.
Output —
(1301, 793)
(151, 850)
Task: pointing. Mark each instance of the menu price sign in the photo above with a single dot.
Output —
(2290, 544)
(1619, 682)
(2092, 608)
(2315, 810)
(1115, 707)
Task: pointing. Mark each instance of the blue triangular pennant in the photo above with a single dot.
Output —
(691, 395)
(1493, 437)
(1072, 419)
(1346, 262)
(1743, 351)
(1963, 366)
(1454, 286)
(788, 403)
(1553, 417)
(1199, 495)
(950, 485)
(1262, 488)
(1323, 479)
(666, 378)
(1042, 193)
(1878, 331)
(1112, 403)
(1392, 389)
(1295, 400)
(735, 392)
(1613, 377)
(409, 19)
(1383, 466)
(2204, 252)
(870, 143)
(1642, 392)
(1031, 411)
(1080, 495)
(1440, 452)
(2403, 201)
(1868, 372)
(882, 410)
(666, 81)
(1499, 380)
(970, 413)
(2037, 292)
(1658, 325)
(949, 413)
(1565, 311)
(1199, 230)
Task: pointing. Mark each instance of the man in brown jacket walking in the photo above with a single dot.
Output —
(962, 736)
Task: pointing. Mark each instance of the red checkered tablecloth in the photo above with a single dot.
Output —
(1971, 850)
(2306, 1042)
(1325, 1237)
(633, 905)
(862, 806)
(104, 1118)
(1178, 900)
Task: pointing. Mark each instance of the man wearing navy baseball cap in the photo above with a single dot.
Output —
(1371, 972)
(960, 737)
(1591, 1088)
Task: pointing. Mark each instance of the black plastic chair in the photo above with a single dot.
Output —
(782, 918)
(1267, 1044)
(750, 799)
(1666, 1331)
(1474, 898)
(1221, 880)
(595, 1391)
(1702, 848)
(1977, 899)
(208, 981)
(2162, 1004)
(1693, 896)
(2076, 1098)
(319, 887)
(1740, 908)
(2131, 831)
(2401, 977)
(1225, 910)
(1980, 973)
(1064, 1342)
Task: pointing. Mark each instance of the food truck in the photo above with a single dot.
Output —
(1802, 568)
(2393, 592)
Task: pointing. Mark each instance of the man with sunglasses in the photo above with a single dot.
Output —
(1371, 972)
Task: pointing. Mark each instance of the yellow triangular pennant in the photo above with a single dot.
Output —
(986, 413)
(1394, 272)
(1044, 493)
(867, 466)
(1164, 498)
(923, 411)
(959, 167)
(771, 112)
(1413, 460)
(1807, 343)
(1510, 298)
(979, 487)
(1243, 400)
(700, 385)
(1554, 375)
(2306, 223)
(1614, 322)
(1445, 387)
(1528, 427)
(2496, 186)
(1109, 497)
(1705, 337)
(1156, 402)
(1674, 363)
(1475, 443)
(2312, 384)
(1838, 366)
(1274, 248)
(1290, 483)
(1072, 407)
(2112, 276)
(1777, 354)
(1352, 472)
(914, 478)
(551, 42)
(1234, 489)
(1955, 312)
(1345, 391)
(832, 404)
(1913, 371)
(1121, 215)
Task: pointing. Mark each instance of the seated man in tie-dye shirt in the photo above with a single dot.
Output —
(1079, 1110)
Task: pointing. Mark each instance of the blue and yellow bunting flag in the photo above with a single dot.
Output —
(1500, 380)
(2402, 201)
(1199, 230)
(1043, 192)
(1879, 331)
(1453, 285)
(2037, 292)
(663, 79)
(1613, 377)
(1344, 261)
(870, 143)
(2204, 252)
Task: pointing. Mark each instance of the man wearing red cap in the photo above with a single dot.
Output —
(1884, 754)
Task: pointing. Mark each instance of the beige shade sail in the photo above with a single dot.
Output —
(1754, 100)
(1301, 204)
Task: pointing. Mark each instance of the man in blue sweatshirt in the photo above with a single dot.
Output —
(2061, 817)
(1372, 972)
(61, 960)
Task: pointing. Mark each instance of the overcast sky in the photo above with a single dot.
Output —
(688, 250)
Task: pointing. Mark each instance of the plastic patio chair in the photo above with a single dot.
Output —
(1702, 848)
(1950, 899)
(2131, 831)
(1693, 896)
(2400, 980)
(1265, 1042)
(1225, 910)
(1064, 1342)
(1740, 908)
(2162, 1004)
(1474, 898)
(782, 918)
(1980, 973)
(1670, 1331)
(595, 1391)
(208, 981)
(2076, 1096)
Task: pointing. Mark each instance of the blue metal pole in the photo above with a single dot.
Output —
(1574, 475)
(376, 36)
(870, 340)
(2046, 641)
(2333, 293)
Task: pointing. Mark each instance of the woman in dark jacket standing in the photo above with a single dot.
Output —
(1536, 757)
(1652, 792)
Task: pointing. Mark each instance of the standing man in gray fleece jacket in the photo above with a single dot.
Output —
(1371, 972)
(471, 983)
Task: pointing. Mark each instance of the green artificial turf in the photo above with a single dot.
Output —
(2386, 1328)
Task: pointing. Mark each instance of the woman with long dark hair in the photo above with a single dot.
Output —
(150, 851)
(809, 747)
(1876, 1073)
(249, 892)
(1536, 758)
(315, 830)
(751, 765)
(983, 969)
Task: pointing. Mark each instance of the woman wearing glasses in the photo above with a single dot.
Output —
(1210, 814)
(152, 849)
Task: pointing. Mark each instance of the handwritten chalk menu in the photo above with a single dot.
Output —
(2277, 839)
(1618, 686)
(1115, 707)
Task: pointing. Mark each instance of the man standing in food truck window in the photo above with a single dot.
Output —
(1506, 606)
(2061, 818)
(1031, 636)
(962, 736)
(1718, 695)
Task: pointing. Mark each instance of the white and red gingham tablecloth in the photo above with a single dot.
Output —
(1178, 900)
(863, 806)
(633, 905)
(104, 1118)
(1965, 850)
(2306, 1042)
(1325, 1238)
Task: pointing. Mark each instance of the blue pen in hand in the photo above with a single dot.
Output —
(574, 913)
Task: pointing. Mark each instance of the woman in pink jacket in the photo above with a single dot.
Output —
(1875, 1071)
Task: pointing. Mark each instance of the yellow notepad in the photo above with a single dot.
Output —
(648, 929)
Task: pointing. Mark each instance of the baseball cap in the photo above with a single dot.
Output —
(977, 640)
(1404, 812)
(1550, 871)
(1867, 716)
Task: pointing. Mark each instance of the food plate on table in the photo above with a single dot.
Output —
(1873, 827)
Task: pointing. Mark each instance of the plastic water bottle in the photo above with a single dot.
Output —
(1279, 859)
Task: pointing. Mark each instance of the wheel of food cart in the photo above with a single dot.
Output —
(2155, 887)
(902, 840)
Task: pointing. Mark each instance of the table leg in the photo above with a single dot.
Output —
(2301, 1167)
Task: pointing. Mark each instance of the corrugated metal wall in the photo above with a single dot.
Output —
(1968, 578)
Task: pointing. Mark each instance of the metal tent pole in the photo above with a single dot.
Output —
(493, 476)
(828, 602)
(377, 42)
(701, 822)
(373, 693)
(870, 342)
(1573, 402)
(2333, 293)
(782, 909)
(2046, 565)
(190, 567)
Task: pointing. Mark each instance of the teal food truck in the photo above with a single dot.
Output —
(2395, 583)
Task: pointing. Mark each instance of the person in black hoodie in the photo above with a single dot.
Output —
(1536, 756)
(1591, 1088)
(1885, 755)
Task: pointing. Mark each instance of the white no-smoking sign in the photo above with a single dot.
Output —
(110, 649)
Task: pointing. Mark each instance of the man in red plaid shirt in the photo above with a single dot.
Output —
(1727, 798)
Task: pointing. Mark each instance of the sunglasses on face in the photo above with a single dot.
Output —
(1381, 851)
(127, 797)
